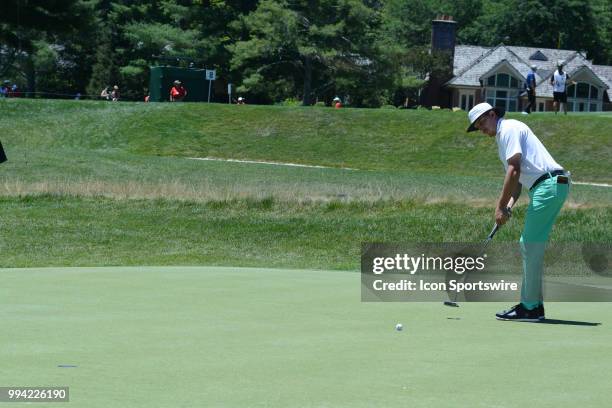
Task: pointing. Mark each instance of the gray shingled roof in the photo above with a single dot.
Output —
(471, 74)
(472, 62)
(605, 73)
(465, 55)
(546, 68)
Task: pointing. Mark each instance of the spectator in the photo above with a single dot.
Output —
(178, 92)
(241, 101)
(4, 90)
(115, 95)
(14, 91)
(530, 87)
(106, 94)
(559, 82)
(77, 96)
(337, 103)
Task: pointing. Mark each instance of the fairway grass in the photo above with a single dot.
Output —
(79, 172)
(57, 230)
(245, 337)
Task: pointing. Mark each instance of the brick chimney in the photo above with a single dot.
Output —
(443, 37)
(443, 34)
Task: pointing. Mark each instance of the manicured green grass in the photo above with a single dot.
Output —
(230, 337)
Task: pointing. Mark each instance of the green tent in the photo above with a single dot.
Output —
(194, 80)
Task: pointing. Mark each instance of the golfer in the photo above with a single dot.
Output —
(528, 163)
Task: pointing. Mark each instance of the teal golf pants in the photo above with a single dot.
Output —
(546, 200)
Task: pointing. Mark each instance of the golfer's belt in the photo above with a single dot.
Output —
(550, 174)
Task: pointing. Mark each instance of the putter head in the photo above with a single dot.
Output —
(451, 304)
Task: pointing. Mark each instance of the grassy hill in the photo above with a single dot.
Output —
(381, 139)
(94, 183)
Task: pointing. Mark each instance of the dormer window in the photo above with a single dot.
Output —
(538, 56)
(502, 91)
(502, 81)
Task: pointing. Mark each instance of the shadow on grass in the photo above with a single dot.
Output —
(567, 322)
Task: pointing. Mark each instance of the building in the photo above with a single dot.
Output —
(497, 75)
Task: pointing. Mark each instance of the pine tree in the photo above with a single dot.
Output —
(302, 47)
(103, 72)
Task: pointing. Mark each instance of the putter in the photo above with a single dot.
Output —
(453, 303)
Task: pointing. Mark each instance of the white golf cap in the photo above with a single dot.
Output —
(534, 67)
(560, 63)
(477, 111)
(336, 99)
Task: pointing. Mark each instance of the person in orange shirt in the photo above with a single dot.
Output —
(178, 92)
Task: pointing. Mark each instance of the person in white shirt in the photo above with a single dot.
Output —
(559, 81)
(526, 162)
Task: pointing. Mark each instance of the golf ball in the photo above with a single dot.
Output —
(399, 327)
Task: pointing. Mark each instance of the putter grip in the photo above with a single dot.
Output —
(496, 227)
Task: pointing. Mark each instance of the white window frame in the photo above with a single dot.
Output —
(573, 102)
(512, 94)
(467, 103)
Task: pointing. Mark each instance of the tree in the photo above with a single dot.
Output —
(29, 27)
(179, 32)
(104, 71)
(567, 24)
(407, 23)
(374, 51)
(303, 45)
(215, 21)
(603, 15)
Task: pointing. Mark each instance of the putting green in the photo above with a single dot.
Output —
(244, 337)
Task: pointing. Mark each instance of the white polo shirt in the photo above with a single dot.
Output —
(515, 137)
(559, 81)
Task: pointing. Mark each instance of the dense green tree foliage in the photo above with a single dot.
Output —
(373, 51)
(37, 39)
(305, 47)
